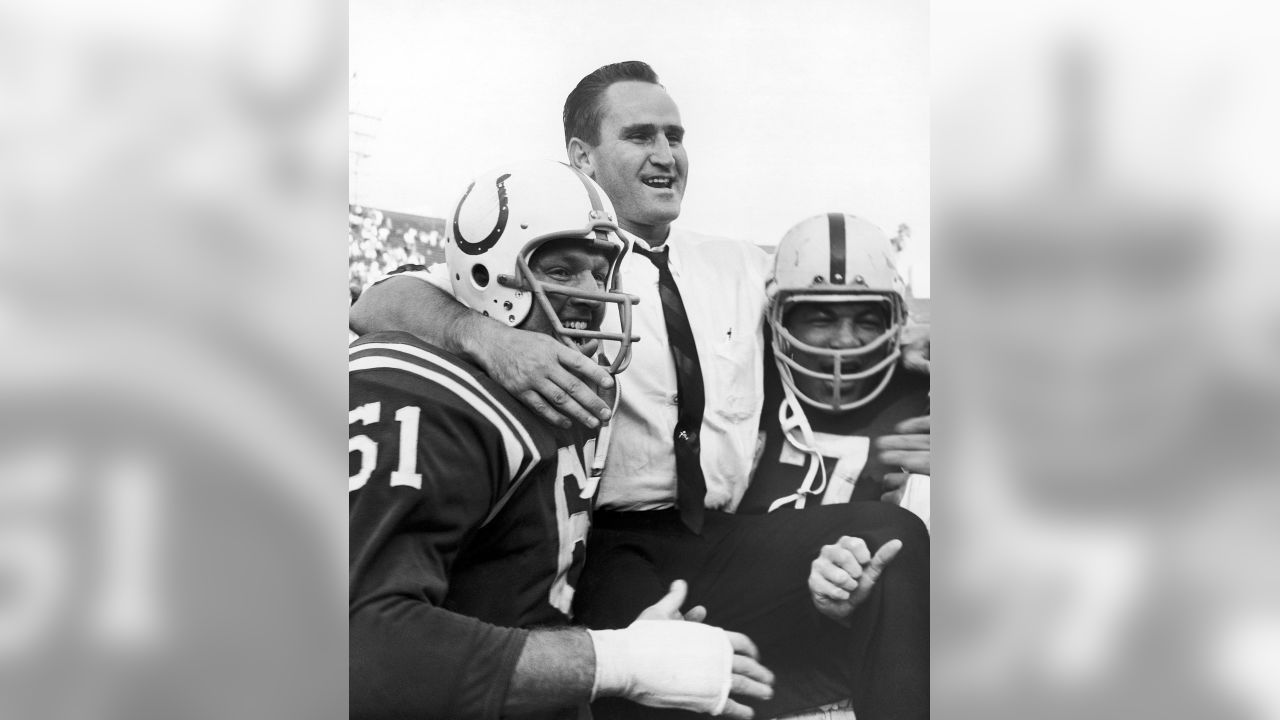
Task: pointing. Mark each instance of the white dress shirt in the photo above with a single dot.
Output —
(722, 284)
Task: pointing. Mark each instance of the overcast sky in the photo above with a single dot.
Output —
(791, 108)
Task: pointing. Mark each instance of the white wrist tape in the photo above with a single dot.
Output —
(665, 664)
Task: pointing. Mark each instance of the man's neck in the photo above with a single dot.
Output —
(654, 235)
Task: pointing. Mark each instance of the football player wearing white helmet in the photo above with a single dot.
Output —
(841, 421)
(469, 515)
(492, 240)
(837, 310)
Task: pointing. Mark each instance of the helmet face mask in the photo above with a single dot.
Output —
(541, 290)
(504, 218)
(834, 378)
(838, 261)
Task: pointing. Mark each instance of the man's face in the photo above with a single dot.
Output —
(640, 160)
(837, 326)
(571, 263)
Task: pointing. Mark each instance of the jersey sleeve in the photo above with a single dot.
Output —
(426, 469)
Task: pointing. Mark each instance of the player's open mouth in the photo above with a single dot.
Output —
(661, 183)
(586, 345)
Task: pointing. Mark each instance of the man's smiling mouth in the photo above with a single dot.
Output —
(661, 183)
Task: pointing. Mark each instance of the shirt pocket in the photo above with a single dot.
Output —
(738, 379)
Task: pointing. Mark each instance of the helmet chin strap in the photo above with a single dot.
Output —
(799, 434)
(603, 436)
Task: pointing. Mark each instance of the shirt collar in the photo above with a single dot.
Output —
(643, 247)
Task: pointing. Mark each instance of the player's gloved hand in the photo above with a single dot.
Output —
(844, 573)
(681, 665)
(915, 348)
(907, 448)
(554, 381)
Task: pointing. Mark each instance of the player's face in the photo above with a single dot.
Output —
(640, 160)
(838, 326)
(573, 264)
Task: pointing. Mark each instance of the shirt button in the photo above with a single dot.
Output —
(675, 398)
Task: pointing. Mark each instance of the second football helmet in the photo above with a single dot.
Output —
(502, 219)
(836, 258)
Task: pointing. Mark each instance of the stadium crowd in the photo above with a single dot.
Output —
(380, 241)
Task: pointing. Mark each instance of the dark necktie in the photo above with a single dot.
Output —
(691, 487)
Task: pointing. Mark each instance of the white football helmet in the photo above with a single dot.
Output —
(504, 216)
(836, 258)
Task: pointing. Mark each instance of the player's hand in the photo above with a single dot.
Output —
(907, 448)
(915, 348)
(668, 608)
(681, 665)
(554, 381)
(844, 573)
(752, 681)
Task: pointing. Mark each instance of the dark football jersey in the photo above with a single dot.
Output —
(468, 520)
(844, 440)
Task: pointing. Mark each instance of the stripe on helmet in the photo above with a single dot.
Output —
(591, 190)
(835, 230)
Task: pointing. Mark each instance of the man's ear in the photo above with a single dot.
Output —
(580, 157)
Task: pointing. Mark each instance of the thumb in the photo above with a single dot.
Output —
(881, 559)
(871, 573)
(674, 599)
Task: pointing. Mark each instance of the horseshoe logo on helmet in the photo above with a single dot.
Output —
(475, 248)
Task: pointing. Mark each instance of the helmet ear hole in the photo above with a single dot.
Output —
(480, 276)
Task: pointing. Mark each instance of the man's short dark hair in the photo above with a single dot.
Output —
(584, 108)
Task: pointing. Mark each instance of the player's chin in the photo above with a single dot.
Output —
(849, 390)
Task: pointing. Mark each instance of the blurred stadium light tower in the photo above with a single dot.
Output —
(362, 128)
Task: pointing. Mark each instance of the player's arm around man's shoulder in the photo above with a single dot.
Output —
(553, 380)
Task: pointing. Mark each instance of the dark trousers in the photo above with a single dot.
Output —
(751, 572)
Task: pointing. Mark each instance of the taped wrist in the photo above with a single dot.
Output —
(665, 664)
